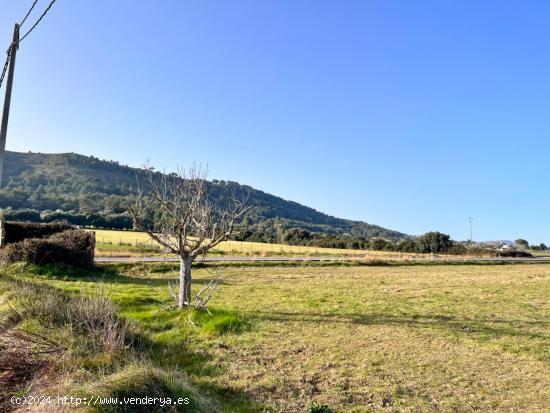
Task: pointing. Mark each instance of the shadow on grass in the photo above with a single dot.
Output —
(484, 329)
(109, 274)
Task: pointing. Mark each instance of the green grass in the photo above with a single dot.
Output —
(539, 253)
(221, 322)
(79, 345)
(140, 382)
(110, 249)
(354, 338)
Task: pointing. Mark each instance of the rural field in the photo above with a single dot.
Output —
(135, 243)
(345, 220)
(451, 338)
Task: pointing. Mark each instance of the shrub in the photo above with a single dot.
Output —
(93, 318)
(379, 244)
(84, 330)
(31, 215)
(457, 249)
(61, 216)
(434, 242)
(514, 254)
(407, 245)
(18, 231)
(72, 247)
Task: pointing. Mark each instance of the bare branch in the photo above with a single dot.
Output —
(202, 298)
(187, 222)
(172, 293)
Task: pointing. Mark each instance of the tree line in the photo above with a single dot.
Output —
(275, 231)
(120, 221)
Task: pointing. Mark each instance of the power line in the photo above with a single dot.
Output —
(28, 13)
(6, 64)
(10, 62)
(38, 21)
(5, 68)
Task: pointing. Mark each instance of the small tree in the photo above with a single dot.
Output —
(541, 247)
(186, 222)
(521, 243)
(434, 242)
(380, 244)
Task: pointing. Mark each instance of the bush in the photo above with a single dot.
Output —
(407, 245)
(457, 249)
(61, 216)
(83, 331)
(30, 215)
(434, 242)
(379, 244)
(514, 254)
(93, 318)
(18, 231)
(72, 247)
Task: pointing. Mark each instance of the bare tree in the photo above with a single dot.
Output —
(186, 223)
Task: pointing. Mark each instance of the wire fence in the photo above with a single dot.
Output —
(135, 241)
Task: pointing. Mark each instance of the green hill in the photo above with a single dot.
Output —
(97, 191)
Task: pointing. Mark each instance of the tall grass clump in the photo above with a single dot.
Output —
(143, 380)
(94, 319)
(86, 349)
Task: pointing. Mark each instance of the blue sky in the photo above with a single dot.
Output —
(410, 115)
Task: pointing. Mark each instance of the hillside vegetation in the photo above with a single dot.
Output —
(90, 191)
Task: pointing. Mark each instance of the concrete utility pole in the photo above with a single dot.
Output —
(7, 99)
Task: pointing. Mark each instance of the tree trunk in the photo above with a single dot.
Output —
(184, 297)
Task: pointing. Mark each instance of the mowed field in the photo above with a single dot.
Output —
(111, 243)
(458, 338)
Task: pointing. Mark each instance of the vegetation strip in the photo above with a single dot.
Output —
(77, 344)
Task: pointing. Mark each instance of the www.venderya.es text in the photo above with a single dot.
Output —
(98, 401)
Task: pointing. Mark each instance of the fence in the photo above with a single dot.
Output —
(135, 241)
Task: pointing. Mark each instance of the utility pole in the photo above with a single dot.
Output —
(471, 232)
(7, 99)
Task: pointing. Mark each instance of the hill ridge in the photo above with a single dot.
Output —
(86, 184)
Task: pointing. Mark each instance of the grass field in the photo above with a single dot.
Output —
(359, 339)
(539, 253)
(110, 242)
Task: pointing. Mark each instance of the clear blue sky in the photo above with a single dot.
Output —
(410, 115)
